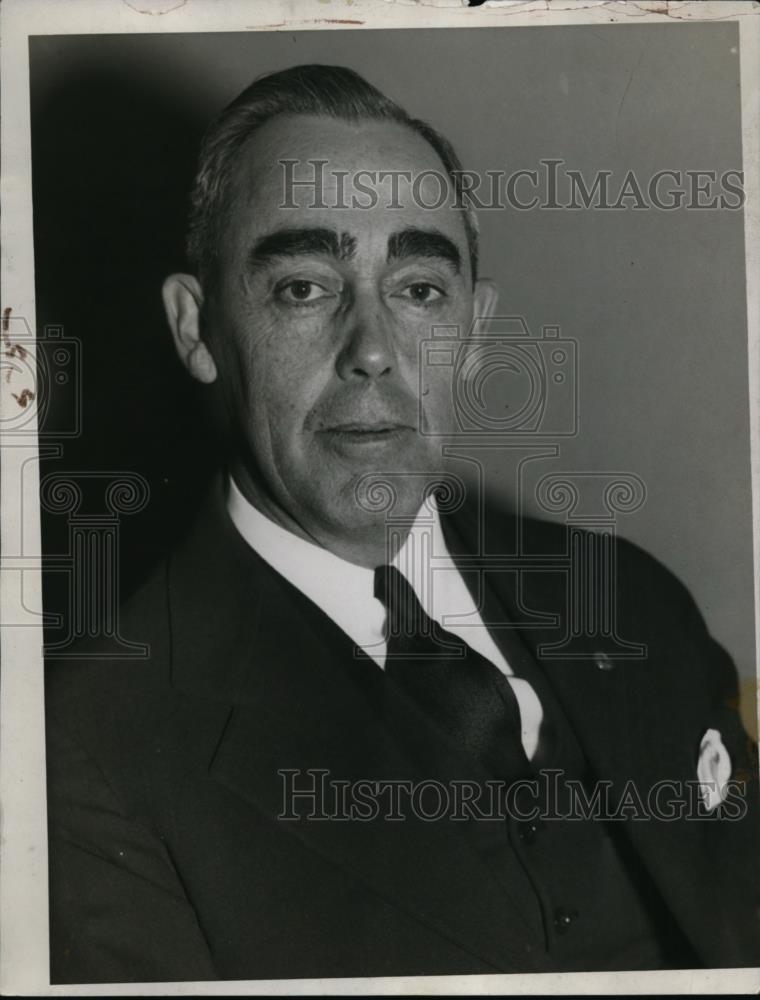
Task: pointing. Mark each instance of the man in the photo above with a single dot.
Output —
(325, 621)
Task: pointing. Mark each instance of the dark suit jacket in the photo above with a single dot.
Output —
(168, 861)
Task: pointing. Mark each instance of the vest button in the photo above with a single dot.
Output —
(529, 832)
(563, 919)
(603, 661)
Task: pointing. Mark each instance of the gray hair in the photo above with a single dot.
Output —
(330, 91)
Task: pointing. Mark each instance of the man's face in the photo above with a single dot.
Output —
(317, 318)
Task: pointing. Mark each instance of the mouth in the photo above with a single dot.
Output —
(366, 434)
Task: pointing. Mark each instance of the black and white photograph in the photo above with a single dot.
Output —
(379, 414)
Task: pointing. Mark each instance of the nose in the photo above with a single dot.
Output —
(368, 349)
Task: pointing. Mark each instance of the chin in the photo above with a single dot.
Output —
(375, 496)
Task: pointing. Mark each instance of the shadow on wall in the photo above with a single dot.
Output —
(112, 165)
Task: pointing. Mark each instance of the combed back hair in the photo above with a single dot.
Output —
(329, 91)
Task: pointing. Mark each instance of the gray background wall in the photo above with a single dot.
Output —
(656, 300)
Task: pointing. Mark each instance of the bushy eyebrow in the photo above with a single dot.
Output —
(415, 242)
(292, 242)
(299, 243)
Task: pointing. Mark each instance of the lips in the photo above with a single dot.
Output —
(379, 427)
(360, 431)
(363, 434)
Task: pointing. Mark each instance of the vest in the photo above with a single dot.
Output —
(593, 906)
(600, 909)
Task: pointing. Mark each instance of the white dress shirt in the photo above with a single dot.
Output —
(345, 591)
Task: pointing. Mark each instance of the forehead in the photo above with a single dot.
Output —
(362, 164)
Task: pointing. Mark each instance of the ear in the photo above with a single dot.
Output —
(183, 298)
(484, 299)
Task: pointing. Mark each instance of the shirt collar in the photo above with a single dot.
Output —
(343, 590)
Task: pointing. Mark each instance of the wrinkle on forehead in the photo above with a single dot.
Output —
(258, 194)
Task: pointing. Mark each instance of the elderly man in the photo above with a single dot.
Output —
(245, 803)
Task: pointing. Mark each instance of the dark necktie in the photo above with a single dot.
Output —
(464, 694)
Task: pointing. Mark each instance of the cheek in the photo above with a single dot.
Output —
(433, 365)
(285, 373)
(438, 407)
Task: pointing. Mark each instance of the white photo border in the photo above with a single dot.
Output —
(24, 958)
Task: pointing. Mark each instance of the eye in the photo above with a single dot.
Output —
(301, 292)
(422, 293)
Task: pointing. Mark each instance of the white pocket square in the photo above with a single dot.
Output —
(713, 769)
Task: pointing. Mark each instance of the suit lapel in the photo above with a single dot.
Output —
(300, 701)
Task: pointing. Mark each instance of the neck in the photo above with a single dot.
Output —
(368, 547)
